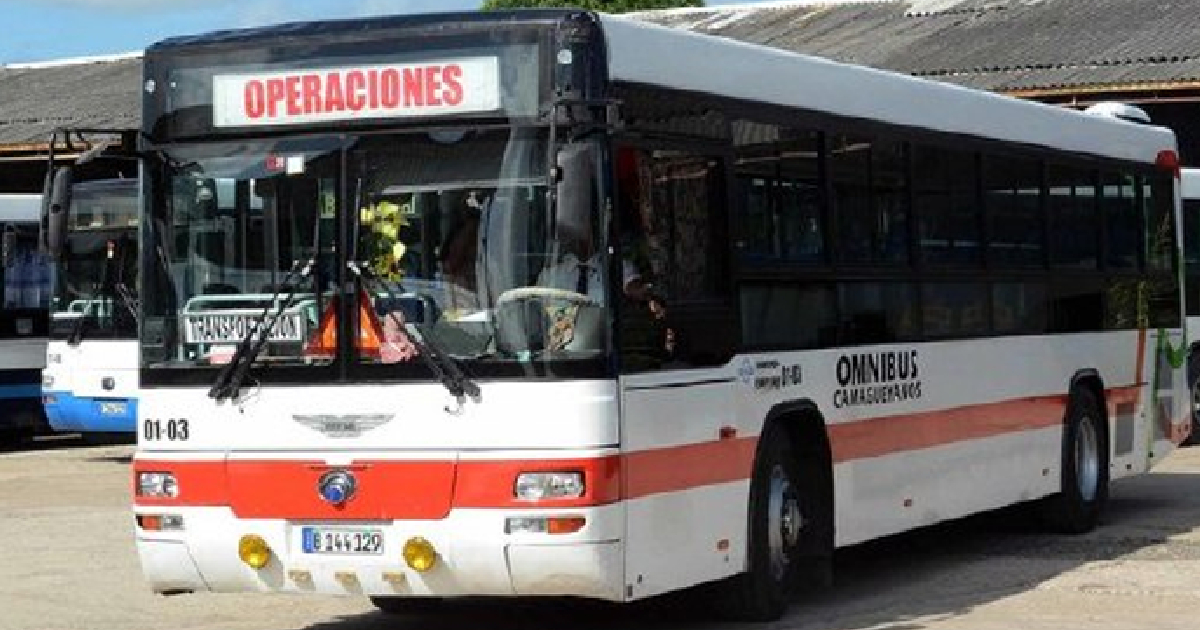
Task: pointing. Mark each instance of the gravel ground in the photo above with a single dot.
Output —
(67, 561)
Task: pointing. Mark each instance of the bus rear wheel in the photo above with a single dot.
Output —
(1083, 493)
(776, 535)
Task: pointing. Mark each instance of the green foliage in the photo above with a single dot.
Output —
(607, 6)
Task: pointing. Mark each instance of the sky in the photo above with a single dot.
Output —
(41, 30)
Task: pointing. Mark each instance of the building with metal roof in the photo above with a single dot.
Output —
(1073, 52)
(36, 99)
(1034, 48)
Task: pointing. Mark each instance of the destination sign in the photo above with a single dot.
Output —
(452, 86)
(230, 329)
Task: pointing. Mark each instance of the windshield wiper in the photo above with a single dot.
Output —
(229, 379)
(444, 367)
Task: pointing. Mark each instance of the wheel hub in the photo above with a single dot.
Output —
(1087, 459)
(784, 524)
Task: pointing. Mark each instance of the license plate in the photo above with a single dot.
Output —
(113, 408)
(339, 540)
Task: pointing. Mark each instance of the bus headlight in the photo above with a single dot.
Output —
(160, 485)
(536, 486)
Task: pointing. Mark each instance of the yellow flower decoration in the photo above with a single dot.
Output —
(383, 222)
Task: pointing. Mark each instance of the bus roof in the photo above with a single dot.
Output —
(20, 208)
(640, 52)
(1189, 183)
(656, 55)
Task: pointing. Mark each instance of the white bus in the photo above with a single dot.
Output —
(556, 303)
(1190, 193)
(24, 276)
(90, 380)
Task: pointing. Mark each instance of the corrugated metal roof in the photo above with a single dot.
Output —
(1004, 45)
(36, 99)
(990, 44)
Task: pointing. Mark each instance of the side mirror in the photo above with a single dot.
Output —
(58, 209)
(8, 246)
(574, 215)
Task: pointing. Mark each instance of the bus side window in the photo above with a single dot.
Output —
(681, 210)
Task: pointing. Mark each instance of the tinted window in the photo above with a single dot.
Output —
(790, 315)
(1123, 218)
(778, 177)
(945, 185)
(877, 312)
(1075, 225)
(1012, 190)
(1018, 307)
(870, 199)
(954, 309)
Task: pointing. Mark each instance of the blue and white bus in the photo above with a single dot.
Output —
(23, 318)
(91, 368)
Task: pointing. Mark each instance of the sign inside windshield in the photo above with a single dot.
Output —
(232, 328)
(452, 86)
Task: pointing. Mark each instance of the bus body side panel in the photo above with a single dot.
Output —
(21, 363)
(921, 433)
(687, 456)
(92, 386)
(423, 467)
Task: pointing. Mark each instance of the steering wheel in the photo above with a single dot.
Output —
(551, 293)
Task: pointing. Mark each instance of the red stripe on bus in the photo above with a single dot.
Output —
(409, 489)
(490, 484)
(876, 437)
(428, 489)
(676, 468)
(201, 483)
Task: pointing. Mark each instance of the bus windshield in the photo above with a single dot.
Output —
(447, 239)
(95, 281)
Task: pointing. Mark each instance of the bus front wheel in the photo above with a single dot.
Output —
(776, 534)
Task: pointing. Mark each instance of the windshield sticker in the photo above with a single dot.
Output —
(232, 328)
(456, 86)
(877, 378)
(772, 376)
(295, 165)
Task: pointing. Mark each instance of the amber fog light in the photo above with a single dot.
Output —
(254, 551)
(419, 554)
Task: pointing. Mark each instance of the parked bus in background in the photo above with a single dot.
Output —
(90, 380)
(1190, 192)
(24, 275)
(557, 303)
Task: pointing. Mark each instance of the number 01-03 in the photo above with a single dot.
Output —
(172, 430)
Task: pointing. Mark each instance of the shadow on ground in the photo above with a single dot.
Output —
(903, 582)
(42, 443)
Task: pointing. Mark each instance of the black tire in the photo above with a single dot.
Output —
(16, 438)
(407, 605)
(108, 438)
(1193, 375)
(763, 592)
(1077, 507)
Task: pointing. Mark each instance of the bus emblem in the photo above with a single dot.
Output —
(337, 486)
(350, 426)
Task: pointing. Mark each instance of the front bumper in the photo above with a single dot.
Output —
(475, 556)
(69, 413)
